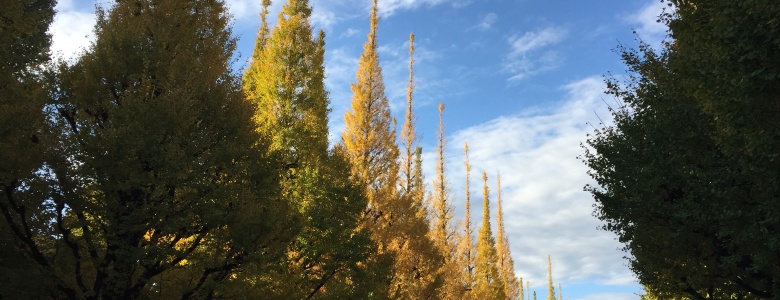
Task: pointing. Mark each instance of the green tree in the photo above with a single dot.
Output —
(24, 47)
(286, 82)
(688, 158)
(488, 280)
(153, 165)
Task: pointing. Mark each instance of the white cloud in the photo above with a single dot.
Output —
(389, 7)
(323, 18)
(487, 22)
(546, 211)
(535, 40)
(530, 53)
(243, 9)
(249, 10)
(340, 68)
(72, 30)
(350, 32)
(649, 29)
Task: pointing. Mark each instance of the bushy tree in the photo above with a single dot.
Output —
(688, 175)
(24, 47)
(151, 178)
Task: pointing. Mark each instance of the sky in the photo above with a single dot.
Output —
(522, 82)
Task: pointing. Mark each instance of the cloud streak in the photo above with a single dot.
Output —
(487, 22)
(646, 19)
(389, 7)
(530, 53)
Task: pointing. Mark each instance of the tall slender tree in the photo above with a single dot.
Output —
(487, 275)
(506, 265)
(560, 292)
(442, 232)
(409, 138)
(368, 129)
(522, 290)
(369, 138)
(442, 209)
(550, 285)
(466, 248)
(286, 81)
(415, 269)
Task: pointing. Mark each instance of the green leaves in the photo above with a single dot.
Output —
(687, 169)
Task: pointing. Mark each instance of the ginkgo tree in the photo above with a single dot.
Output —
(146, 169)
(151, 161)
(286, 81)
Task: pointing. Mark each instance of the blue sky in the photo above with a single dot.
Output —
(521, 81)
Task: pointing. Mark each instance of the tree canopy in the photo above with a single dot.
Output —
(147, 168)
(688, 174)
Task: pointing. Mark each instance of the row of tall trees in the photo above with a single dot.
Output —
(148, 169)
(416, 241)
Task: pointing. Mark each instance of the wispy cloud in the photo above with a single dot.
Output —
(530, 53)
(247, 13)
(649, 29)
(487, 22)
(530, 41)
(546, 211)
(340, 68)
(389, 7)
(249, 10)
(350, 32)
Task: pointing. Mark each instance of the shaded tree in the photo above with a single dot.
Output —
(688, 158)
(150, 164)
(24, 47)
